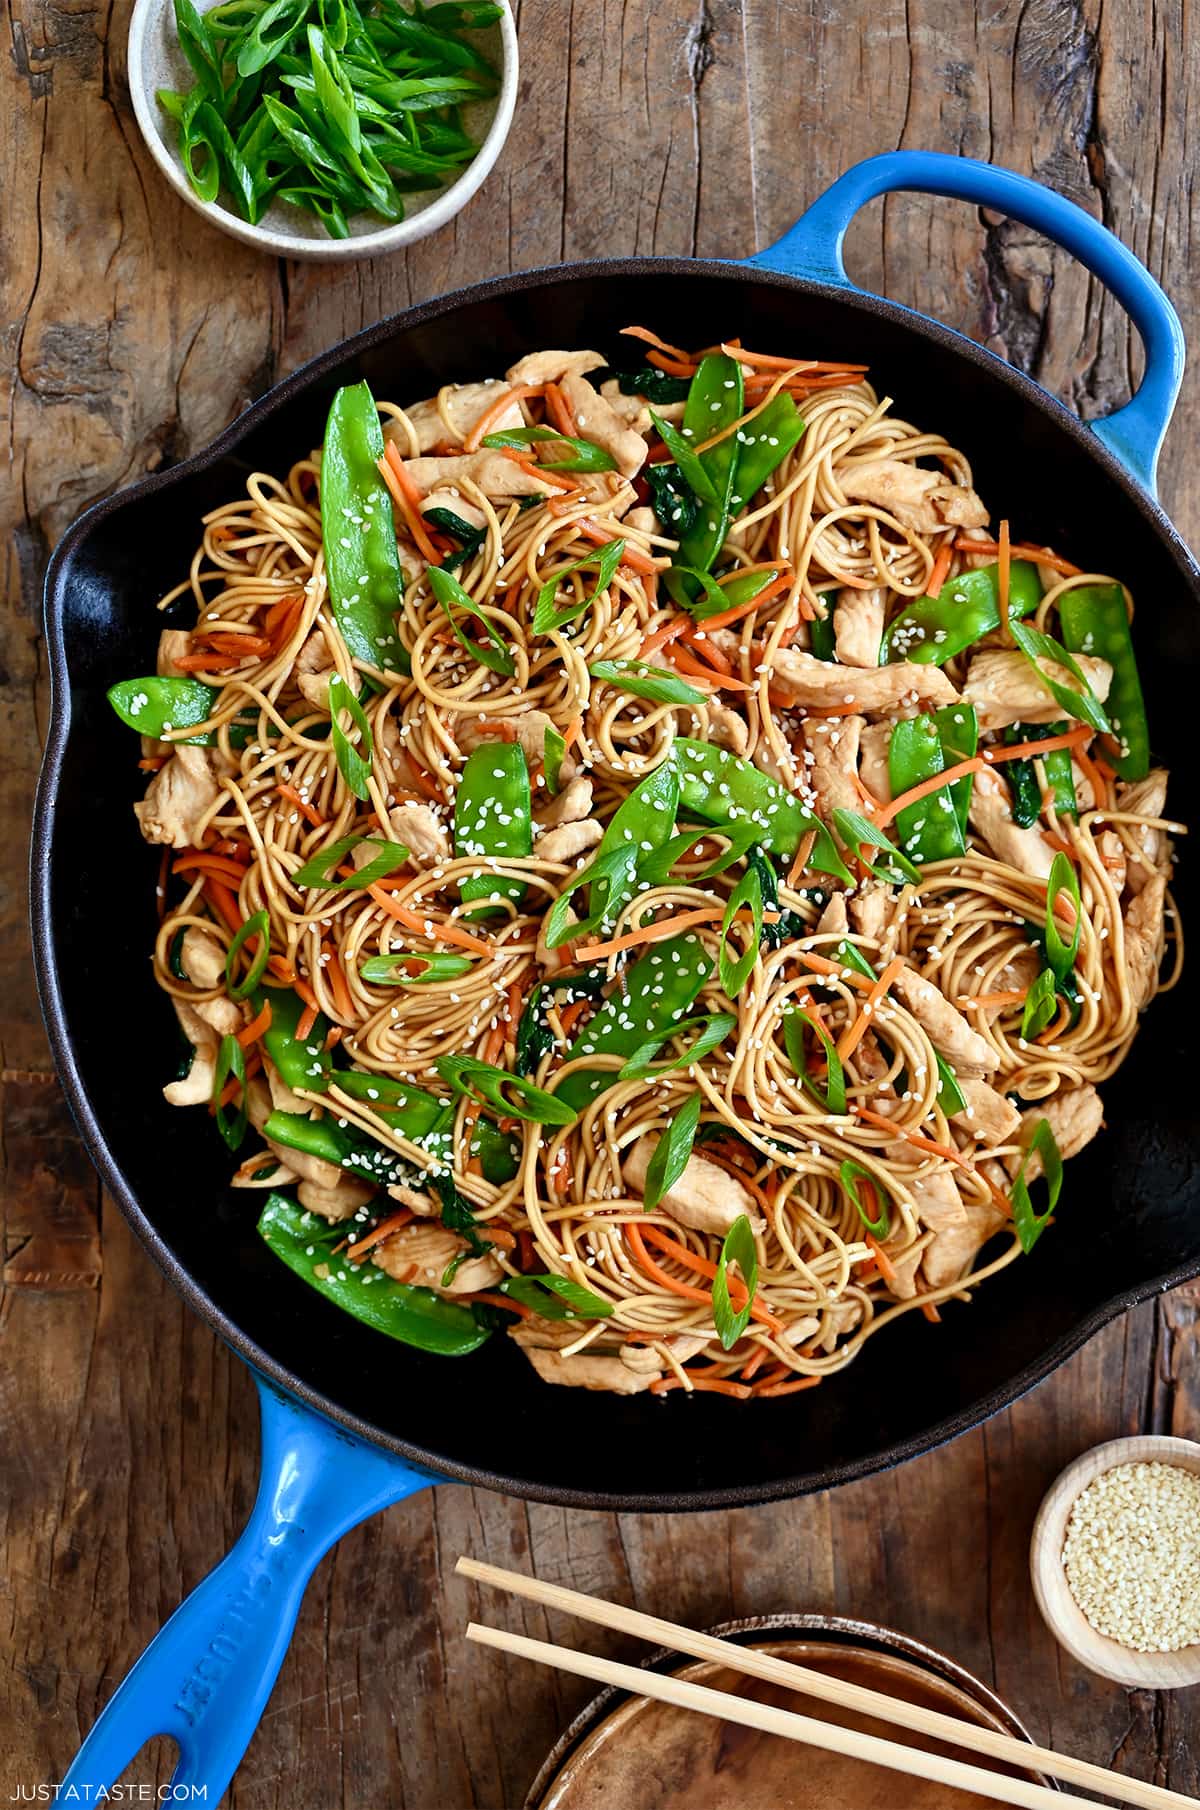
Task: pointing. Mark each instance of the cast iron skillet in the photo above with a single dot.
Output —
(350, 1424)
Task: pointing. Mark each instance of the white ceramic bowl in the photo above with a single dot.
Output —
(156, 61)
(1061, 1613)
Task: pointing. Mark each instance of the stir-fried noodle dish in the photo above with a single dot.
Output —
(650, 867)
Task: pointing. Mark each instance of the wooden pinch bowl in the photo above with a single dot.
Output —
(1061, 1613)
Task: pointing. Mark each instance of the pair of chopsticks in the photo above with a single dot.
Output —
(851, 1742)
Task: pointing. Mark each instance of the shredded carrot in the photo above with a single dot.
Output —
(570, 1015)
(207, 662)
(669, 1248)
(305, 807)
(505, 730)
(716, 674)
(1073, 739)
(931, 1313)
(917, 1139)
(567, 499)
(423, 780)
(358, 1247)
(633, 557)
(821, 964)
(407, 498)
(661, 345)
(280, 968)
(559, 410)
(224, 901)
(666, 631)
(939, 569)
(725, 617)
(1003, 574)
(853, 1035)
(1092, 772)
(155, 765)
(802, 857)
(494, 410)
(513, 1307)
(228, 641)
(551, 480)
(571, 734)
(1059, 844)
(704, 1385)
(755, 1364)
(253, 1031)
(887, 1268)
(793, 1388)
(494, 1045)
(337, 983)
(1013, 997)
(333, 1037)
(205, 863)
(770, 361)
(887, 812)
(1042, 555)
(416, 920)
(654, 933)
(280, 611)
(305, 1022)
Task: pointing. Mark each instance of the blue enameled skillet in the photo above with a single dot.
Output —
(351, 1424)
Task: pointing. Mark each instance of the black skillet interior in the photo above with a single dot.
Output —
(1130, 1217)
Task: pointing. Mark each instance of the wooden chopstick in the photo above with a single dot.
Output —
(848, 1741)
(830, 1690)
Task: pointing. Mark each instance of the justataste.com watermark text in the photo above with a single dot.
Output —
(109, 1794)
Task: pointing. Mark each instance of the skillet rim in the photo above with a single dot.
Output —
(44, 944)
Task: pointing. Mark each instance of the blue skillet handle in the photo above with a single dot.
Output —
(813, 249)
(206, 1677)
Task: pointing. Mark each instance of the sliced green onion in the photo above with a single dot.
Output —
(231, 1061)
(1061, 955)
(451, 595)
(672, 1153)
(851, 1173)
(510, 1094)
(739, 1248)
(950, 1096)
(833, 1098)
(585, 454)
(556, 1297)
(642, 680)
(1084, 705)
(1029, 1223)
(354, 767)
(397, 969)
(260, 926)
(319, 867)
(748, 891)
(546, 617)
(687, 461)
(713, 1027)
(554, 748)
(855, 831)
(1040, 1005)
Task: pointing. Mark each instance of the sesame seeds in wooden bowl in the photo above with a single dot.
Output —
(1115, 1560)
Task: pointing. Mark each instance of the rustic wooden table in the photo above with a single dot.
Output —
(132, 334)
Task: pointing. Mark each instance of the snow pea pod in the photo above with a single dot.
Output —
(362, 565)
(719, 788)
(658, 990)
(642, 824)
(928, 830)
(933, 629)
(1095, 621)
(958, 728)
(764, 444)
(301, 1062)
(155, 706)
(493, 818)
(715, 400)
(415, 1316)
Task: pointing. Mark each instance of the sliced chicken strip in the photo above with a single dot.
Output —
(568, 841)
(632, 409)
(221, 1013)
(955, 1248)
(1144, 939)
(195, 1089)
(1146, 798)
(568, 806)
(496, 475)
(1074, 1115)
(705, 1197)
(173, 644)
(423, 1205)
(315, 1169)
(905, 1264)
(430, 1249)
(858, 625)
(283, 1098)
(553, 959)
(417, 825)
(922, 500)
(600, 423)
(458, 505)
(1004, 688)
(313, 669)
(1111, 851)
(804, 679)
(873, 769)
(989, 1115)
(726, 728)
(938, 1201)
(179, 798)
(202, 957)
(833, 920)
(951, 1036)
(530, 728)
(991, 819)
(340, 1202)
(552, 367)
(461, 405)
(833, 743)
(872, 909)
(585, 1371)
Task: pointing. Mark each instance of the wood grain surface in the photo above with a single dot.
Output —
(131, 334)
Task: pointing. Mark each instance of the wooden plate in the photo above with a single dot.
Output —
(624, 1752)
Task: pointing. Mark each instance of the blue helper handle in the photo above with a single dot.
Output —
(813, 249)
(206, 1677)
